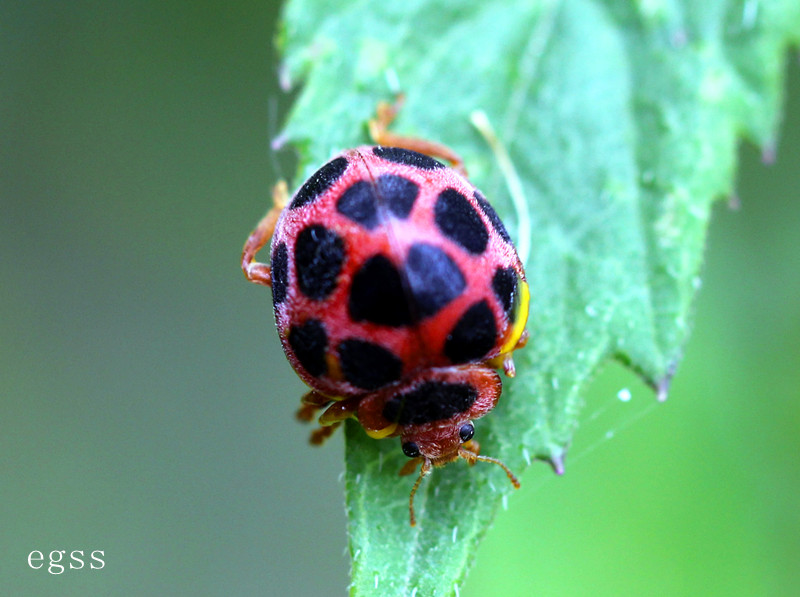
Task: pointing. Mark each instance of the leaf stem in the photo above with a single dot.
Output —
(480, 121)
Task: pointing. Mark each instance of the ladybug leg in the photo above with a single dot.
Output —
(318, 436)
(473, 448)
(306, 412)
(336, 412)
(380, 134)
(410, 467)
(339, 411)
(254, 271)
(314, 398)
(523, 339)
(508, 366)
(331, 419)
(310, 403)
(506, 361)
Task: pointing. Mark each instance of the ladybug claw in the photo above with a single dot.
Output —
(508, 366)
(306, 412)
(380, 134)
(318, 436)
(259, 273)
(310, 403)
(523, 339)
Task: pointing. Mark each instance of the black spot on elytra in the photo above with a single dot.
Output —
(367, 365)
(280, 273)
(360, 204)
(459, 221)
(430, 401)
(318, 257)
(319, 182)
(407, 157)
(504, 284)
(473, 335)
(309, 343)
(433, 278)
(397, 193)
(490, 213)
(377, 294)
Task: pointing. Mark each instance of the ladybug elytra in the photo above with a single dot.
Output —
(397, 293)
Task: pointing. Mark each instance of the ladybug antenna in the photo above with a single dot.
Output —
(423, 472)
(472, 458)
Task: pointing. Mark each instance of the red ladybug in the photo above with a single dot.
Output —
(397, 292)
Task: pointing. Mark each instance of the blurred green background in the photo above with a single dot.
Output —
(147, 410)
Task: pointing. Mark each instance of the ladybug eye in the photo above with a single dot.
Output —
(466, 432)
(411, 449)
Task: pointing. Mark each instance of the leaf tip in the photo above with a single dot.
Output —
(284, 78)
(556, 461)
(769, 153)
(662, 387)
(278, 142)
(662, 391)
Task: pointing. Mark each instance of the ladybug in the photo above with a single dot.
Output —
(397, 293)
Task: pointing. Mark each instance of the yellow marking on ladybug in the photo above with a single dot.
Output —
(381, 433)
(518, 328)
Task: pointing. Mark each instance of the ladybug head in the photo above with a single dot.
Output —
(437, 445)
(432, 413)
(440, 443)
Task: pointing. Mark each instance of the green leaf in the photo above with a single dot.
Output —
(621, 119)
